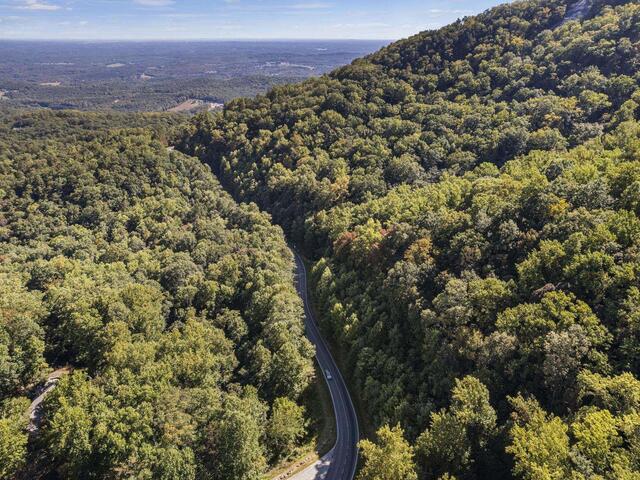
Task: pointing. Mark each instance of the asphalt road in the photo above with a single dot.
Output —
(344, 456)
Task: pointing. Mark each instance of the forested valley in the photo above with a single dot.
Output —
(471, 196)
(172, 306)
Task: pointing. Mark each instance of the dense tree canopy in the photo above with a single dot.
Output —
(175, 306)
(471, 196)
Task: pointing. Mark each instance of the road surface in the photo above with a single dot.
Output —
(35, 409)
(340, 463)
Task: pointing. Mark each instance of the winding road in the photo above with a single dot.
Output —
(340, 463)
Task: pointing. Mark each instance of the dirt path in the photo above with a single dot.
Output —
(35, 409)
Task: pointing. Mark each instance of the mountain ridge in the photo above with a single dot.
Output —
(470, 197)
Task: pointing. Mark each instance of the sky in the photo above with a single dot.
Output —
(228, 19)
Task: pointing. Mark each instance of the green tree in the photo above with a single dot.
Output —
(22, 343)
(232, 448)
(459, 436)
(13, 436)
(539, 443)
(286, 426)
(390, 458)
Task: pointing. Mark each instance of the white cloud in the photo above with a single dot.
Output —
(154, 3)
(362, 25)
(37, 5)
(310, 6)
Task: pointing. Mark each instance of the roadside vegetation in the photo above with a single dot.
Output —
(471, 197)
(174, 304)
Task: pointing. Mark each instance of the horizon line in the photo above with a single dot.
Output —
(240, 39)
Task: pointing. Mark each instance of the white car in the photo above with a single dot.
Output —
(328, 375)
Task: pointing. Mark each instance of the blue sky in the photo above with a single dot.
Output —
(228, 19)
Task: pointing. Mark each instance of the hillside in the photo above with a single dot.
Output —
(174, 306)
(483, 90)
(471, 197)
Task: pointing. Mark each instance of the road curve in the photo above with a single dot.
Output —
(344, 456)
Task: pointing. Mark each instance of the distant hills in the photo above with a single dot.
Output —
(157, 76)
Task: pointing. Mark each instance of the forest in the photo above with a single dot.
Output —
(172, 307)
(471, 197)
